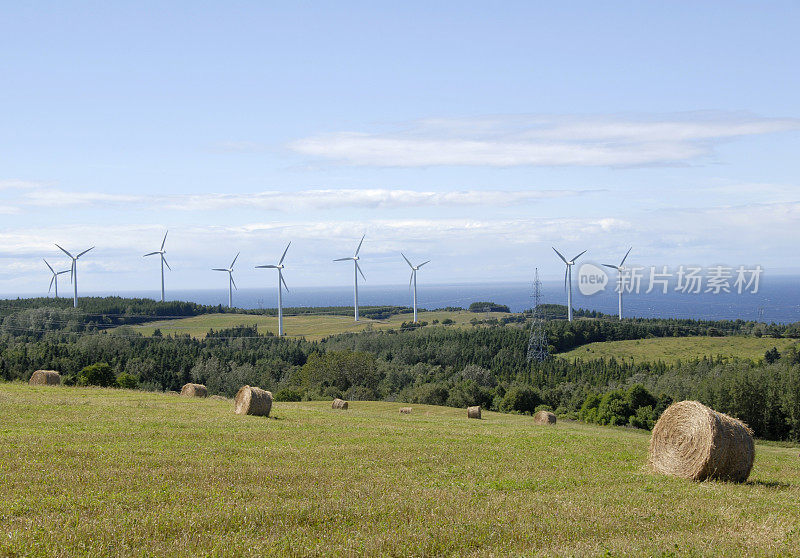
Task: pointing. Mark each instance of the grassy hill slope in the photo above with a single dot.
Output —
(312, 327)
(90, 471)
(672, 349)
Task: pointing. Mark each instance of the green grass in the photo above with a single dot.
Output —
(312, 327)
(672, 349)
(103, 472)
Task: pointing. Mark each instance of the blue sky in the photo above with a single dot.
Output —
(473, 135)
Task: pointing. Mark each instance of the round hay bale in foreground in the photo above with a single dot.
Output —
(695, 442)
(45, 378)
(252, 401)
(544, 417)
(474, 412)
(339, 404)
(405, 410)
(194, 390)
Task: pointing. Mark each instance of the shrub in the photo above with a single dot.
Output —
(613, 408)
(98, 374)
(644, 417)
(469, 393)
(288, 394)
(127, 381)
(523, 399)
(430, 394)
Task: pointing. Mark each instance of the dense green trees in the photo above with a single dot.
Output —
(436, 364)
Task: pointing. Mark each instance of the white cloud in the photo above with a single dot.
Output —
(379, 198)
(60, 198)
(12, 184)
(543, 141)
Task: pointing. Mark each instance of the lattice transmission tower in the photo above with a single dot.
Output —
(537, 343)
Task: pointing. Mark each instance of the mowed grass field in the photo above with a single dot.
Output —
(672, 349)
(312, 327)
(100, 472)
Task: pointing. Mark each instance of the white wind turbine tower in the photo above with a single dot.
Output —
(620, 269)
(161, 253)
(54, 279)
(568, 279)
(231, 282)
(280, 268)
(413, 280)
(356, 271)
(73, 276)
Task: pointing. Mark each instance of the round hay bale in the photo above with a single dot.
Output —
(474, 412)
(339, 404)
(45, 378)
(405, 410)
(544, 417)
(252, 401)
(194, 390)
(695, 442)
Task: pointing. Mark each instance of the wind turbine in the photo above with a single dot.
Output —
(54, 279)
(413, 280)
(161, 253)
(568, 279)
(280, 268)
(231, 282)
(356, 271)
(73, 275)
(620, 269)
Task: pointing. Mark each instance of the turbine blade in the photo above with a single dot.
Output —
(284, 283)
(565, 278)
(406, 259)
(284, 253)
(423, 263)
(359, 245)
(234, 259)
(48, 265)
(234, 283)
(563, 259)
(72, 272)
(611, 266)
(151, 254)
(626, 256)
(166, 263)
(82, 253)
(358, 267)
(579, 255)
(62, 272)
(342, 259)
(266, 267)
(218, 269)
(411, 279)
(67, 253)
(165, 240)
(53, 278)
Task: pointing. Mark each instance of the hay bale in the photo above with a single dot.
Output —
(45, 378)
(405, 410)
(339, 404)
(544, 417)
(695, 442)
(474, 412)
(194, 390)
(252, 401)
